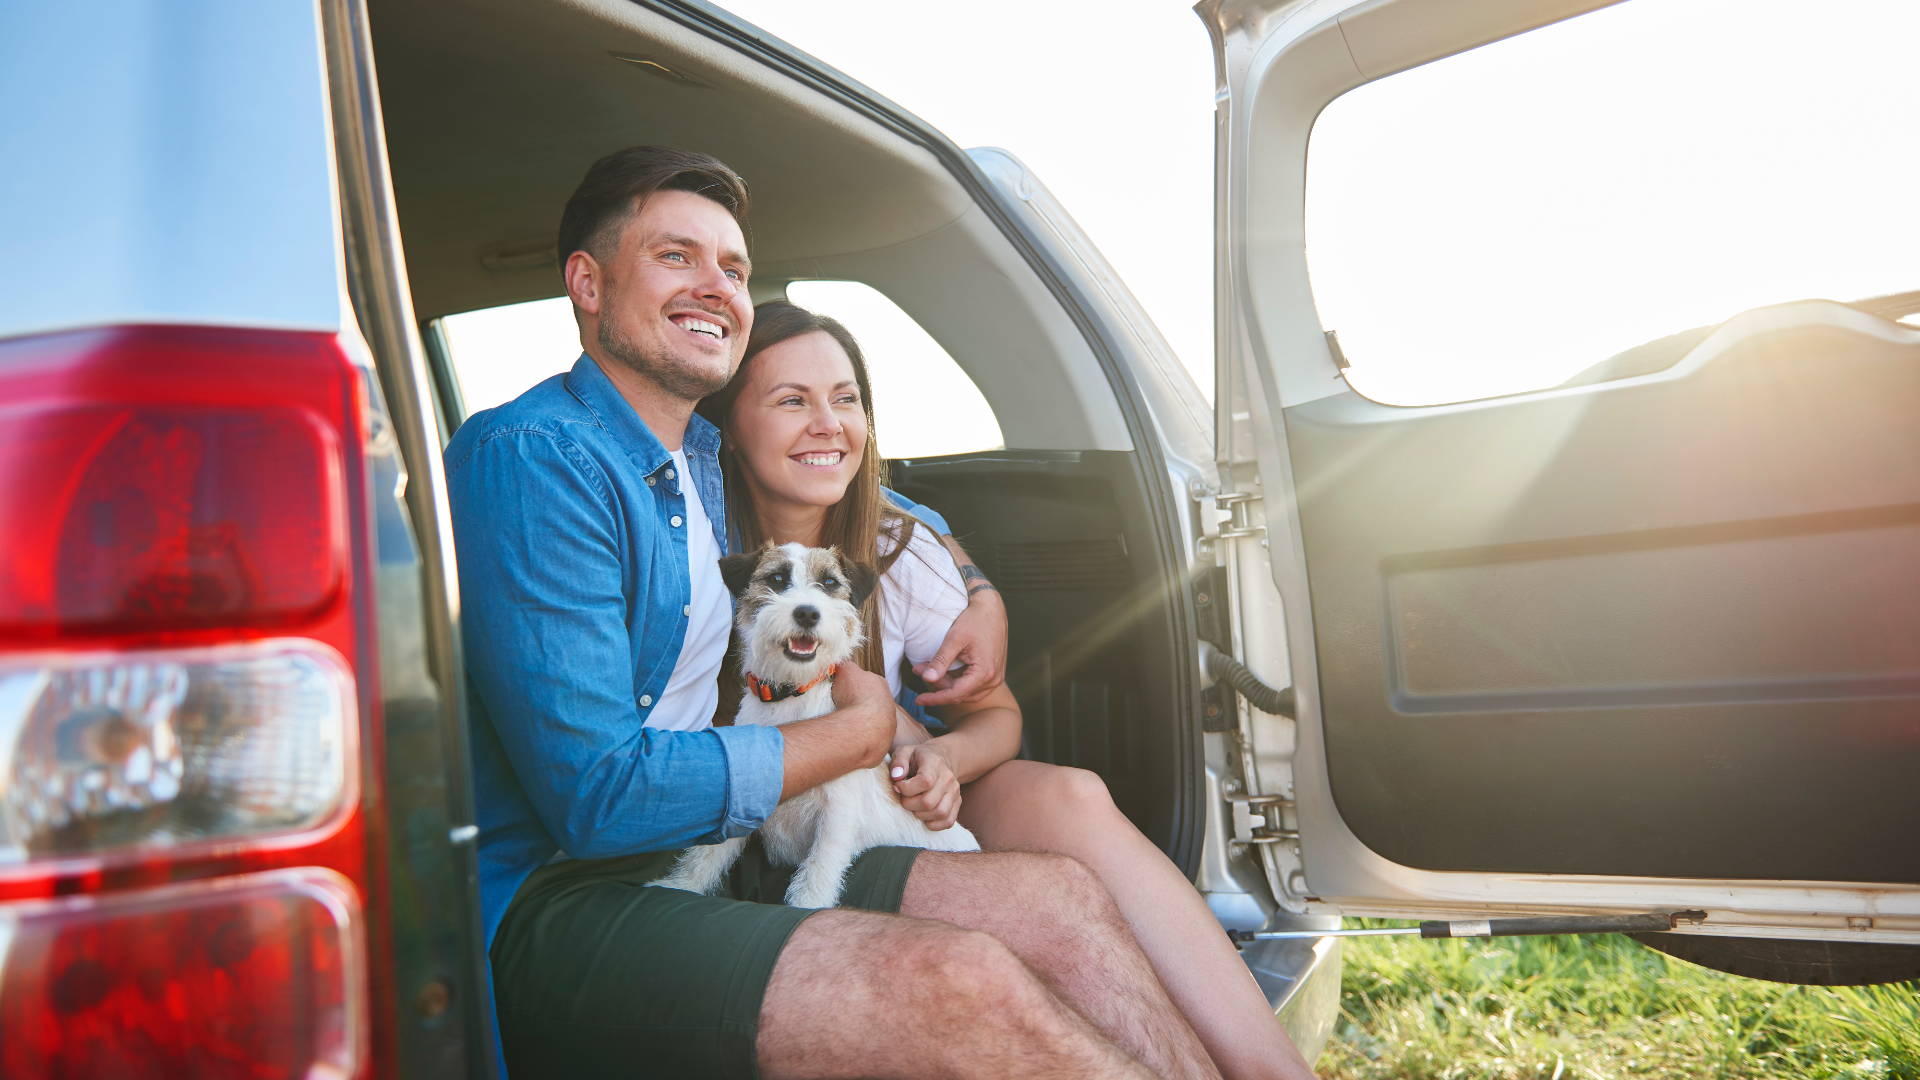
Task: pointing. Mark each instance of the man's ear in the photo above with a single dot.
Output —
(860, 582)
(737, 570)
(584, 282)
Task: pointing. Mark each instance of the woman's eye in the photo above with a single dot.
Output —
(790, 401)
(850, 399)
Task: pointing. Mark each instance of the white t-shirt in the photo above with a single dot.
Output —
(920, 596)
(692, 691)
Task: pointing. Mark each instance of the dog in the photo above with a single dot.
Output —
(797, 616)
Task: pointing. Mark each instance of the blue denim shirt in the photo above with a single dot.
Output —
(569, 525)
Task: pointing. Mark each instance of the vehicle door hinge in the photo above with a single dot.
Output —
(1235, 505)
(1261, 819)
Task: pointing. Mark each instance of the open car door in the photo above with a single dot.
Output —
(1643, 637)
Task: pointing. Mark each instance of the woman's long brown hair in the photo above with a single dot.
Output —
(854, 524)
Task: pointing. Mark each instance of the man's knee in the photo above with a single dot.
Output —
(970, 966)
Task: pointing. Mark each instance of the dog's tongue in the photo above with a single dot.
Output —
(801, 645)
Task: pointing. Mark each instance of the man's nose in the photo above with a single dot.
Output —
(715, 283)
(807, 616)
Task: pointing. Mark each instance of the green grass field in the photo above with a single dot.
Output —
(1598, 1008)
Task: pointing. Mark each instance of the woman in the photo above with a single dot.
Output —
(800, 454)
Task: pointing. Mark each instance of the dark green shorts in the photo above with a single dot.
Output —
(595, 975)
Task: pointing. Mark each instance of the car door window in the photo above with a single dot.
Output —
(1504, 219)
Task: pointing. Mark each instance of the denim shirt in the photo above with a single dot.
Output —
(570, 528)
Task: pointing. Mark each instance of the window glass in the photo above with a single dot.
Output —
(924, 405)
(498, 353)
(1501, 220)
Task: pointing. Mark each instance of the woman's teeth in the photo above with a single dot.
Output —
(820, 459)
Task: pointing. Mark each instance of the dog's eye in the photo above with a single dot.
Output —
(829, 582)
(778, 579)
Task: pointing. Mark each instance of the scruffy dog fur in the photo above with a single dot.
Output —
(798, 615)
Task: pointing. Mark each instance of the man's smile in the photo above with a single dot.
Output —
(696, 324)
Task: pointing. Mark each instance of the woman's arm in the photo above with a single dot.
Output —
(978, 640)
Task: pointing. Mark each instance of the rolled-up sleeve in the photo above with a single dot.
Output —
(551, 660)
(756, 767)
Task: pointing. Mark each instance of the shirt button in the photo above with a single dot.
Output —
(669, 472)
(687, 610)
(674, 521)
(646, 700)
(650, 481)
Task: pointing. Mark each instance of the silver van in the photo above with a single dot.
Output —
(1645, 642)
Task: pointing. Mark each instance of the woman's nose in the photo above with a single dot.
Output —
(824, 422)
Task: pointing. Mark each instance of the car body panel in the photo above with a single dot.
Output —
(167, 163)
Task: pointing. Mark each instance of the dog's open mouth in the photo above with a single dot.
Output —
(801, 647)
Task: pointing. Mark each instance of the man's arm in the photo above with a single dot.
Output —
(549, 656)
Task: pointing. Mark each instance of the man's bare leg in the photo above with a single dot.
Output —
(1029, 806)
(1056, 916)
(860, 994)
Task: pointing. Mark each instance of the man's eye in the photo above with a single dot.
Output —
(736, 275)
(675, 255)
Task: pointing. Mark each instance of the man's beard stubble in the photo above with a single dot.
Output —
(684, 381)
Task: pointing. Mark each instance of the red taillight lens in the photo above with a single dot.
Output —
(160, 480)
(257, 977)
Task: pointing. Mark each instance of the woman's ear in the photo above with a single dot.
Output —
(860, 582)
(737, 571)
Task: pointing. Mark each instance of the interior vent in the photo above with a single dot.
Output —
(1078, 565)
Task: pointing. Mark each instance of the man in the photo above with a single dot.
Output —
(588, 517)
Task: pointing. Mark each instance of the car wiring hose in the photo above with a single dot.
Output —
(1222, 667)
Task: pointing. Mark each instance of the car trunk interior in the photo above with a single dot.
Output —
(494, 108)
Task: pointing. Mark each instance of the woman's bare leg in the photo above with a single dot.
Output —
(1032, 806)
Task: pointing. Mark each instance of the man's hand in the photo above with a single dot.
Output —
(855, 735)
(924, 780)
(977, 639)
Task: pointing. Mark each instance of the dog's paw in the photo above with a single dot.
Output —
(813, 894)
(685, 883)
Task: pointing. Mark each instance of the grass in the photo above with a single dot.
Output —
(1600, 1008)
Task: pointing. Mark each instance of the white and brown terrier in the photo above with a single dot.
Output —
(797, 615)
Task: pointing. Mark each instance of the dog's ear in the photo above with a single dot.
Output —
(737, 571)
(861, 579)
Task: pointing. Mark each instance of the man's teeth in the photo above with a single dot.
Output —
(822, 459)
(701, 326)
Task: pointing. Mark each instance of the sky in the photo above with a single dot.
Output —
(1487, 224)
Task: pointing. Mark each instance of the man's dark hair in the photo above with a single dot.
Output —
(618, 183)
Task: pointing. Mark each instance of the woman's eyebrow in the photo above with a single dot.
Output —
(804, 388)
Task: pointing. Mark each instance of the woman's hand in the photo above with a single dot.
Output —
(924, 780)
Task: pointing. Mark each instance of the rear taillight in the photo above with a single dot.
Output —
(184, 664)
(251, 976)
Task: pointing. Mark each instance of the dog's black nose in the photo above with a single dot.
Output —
(807, 615)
